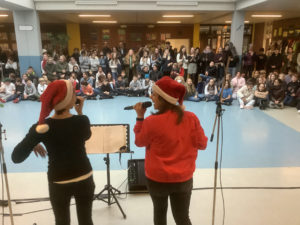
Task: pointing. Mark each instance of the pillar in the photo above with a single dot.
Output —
(196, 35)
(28, 37)
(237, 31)
(73, 31)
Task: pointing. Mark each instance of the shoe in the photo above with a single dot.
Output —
(16, 100)
(299, 111)
(241, 106)
(2, 100)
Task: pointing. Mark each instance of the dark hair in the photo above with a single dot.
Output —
(84, 83)
(165, 106)
(250, 82)
(59, 112)
(18, 79)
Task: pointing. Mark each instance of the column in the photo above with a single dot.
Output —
(28, 37)
(73, 31)
(196, 35)
(237, 31)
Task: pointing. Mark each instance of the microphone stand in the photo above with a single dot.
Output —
(3, 164)
(219, 112)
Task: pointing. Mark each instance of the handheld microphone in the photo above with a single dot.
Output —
(144, 104)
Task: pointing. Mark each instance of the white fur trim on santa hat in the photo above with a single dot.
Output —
(42, 128)
(164, 95)
(67, 99)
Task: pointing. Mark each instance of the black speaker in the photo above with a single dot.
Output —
(136, 175)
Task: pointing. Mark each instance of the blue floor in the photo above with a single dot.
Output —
(251, 138)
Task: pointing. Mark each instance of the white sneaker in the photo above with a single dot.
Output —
(241, 106)
(299, 111)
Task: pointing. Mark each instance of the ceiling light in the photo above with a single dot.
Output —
(267, 16)
(105, 21)
(168, 21)
(82, 15)
(229, 21)
(3, 15)
(178, 16)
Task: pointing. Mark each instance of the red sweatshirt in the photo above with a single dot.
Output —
(171, 149)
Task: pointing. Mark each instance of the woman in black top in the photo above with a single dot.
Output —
(64, 136)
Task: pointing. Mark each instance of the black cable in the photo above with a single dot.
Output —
(220, 171)
(2, 186)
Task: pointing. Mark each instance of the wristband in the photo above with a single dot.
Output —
(139, 119)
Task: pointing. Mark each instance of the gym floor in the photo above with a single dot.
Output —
(261, 149)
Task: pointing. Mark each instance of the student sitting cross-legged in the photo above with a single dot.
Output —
(245, 95)
(261, 96)
(86, 90)
(135, 87)
(120, 86)
(276, 95)
(226, 98)
(106, 90)
(30, 92)
(191, 92)
(210, 91)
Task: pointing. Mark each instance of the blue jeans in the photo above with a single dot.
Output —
(193, 99)
(232, 71)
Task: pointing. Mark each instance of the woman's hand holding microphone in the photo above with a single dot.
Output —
(140, 110)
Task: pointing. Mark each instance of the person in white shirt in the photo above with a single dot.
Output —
(183, 58)
(72, 63)
(145, 60)
(7, 91)
(42, 86)
(237, 83)
(246, 95)
(11, 66)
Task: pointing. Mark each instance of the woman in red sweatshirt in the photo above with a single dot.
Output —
(172, 138)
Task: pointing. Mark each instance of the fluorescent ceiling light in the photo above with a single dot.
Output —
(87, 2)
(178, 16)
(105, 21)
(267, 16)
(229, 21)
(3, 15)
(82, 15)
(168, 21)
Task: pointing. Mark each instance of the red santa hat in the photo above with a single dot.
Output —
(170, 90)
(57, 96)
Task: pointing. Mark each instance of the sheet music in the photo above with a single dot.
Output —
(106, 139)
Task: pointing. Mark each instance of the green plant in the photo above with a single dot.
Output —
(58, 42)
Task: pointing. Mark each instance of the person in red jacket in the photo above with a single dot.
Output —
(172, 138)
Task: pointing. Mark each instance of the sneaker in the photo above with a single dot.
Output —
(241, 106)
(2, 100)
(16, 100)
(248, 107)
(299, 111)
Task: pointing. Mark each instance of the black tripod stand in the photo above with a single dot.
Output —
(3, 165)
(110, 189)
(218, 118)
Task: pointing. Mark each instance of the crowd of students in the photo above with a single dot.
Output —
(264, 81)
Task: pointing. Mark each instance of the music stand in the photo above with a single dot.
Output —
(105, 141)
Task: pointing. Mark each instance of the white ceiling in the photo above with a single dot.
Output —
(151, 17)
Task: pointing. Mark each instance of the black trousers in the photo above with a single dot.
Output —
(180, 196)
(60, 197)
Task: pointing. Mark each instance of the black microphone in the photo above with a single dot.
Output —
(144, 104)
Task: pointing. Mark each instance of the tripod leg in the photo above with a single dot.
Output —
(100, 193)
(116, 190)
(116, 200)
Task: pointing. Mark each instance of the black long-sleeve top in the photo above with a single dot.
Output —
(65, 144)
